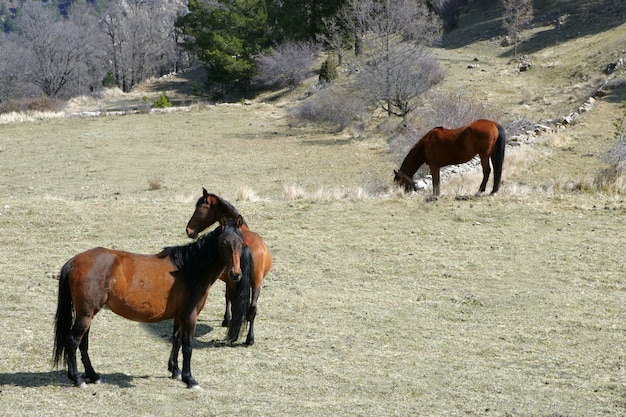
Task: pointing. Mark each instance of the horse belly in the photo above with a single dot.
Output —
(142, 293)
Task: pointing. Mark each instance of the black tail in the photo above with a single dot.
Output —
(497, 159)
(241, 300)
(64, 317)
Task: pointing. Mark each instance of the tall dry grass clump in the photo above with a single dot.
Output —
(297, 192)
(29, 116)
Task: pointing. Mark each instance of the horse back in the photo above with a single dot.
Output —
(456, 146)
(261, 257)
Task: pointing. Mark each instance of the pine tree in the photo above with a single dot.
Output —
(226, 36)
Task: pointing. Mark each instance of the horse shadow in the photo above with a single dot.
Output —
(57, 378)
(163, 330)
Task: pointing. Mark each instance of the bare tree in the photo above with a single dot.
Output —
(517, 15)
(394, 39)
(142, 39)
(53, 51)
(11, 59)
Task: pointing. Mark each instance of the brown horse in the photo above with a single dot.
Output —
(441, 147)
(173, 284)
(210, 209)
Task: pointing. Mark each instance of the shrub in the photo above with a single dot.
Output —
(328, 72)
(331, 105)
(109, 80)
(457, 109)
(288, 65)
(162, 102)
(615, 157)
(144, 106)
(39, 104)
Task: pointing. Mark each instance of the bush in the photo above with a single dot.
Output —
(456, 109)
(616, 155)
(331, 105)
(109, 80)
(39, 104)
(328, 72)
(612, 177)
(288, 65)
(162, 102)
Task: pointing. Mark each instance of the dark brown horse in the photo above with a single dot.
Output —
(173, 284)
(209, 209)
(441, 147)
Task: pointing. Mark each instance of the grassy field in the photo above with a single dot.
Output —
(378, 303)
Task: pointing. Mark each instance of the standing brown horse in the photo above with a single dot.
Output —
(173, 284)
(441, 147)
(210, 209)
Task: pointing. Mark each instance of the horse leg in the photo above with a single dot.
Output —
(90, 373)
(172, 364)
(74, 339)
(434, 171)
(227, 315)
(484, 161)
(188, 330)
(252, 315)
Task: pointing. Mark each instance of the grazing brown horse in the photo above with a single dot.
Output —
(441, 147)
(209, 209)
(149, 288)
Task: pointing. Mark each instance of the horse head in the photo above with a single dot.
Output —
(209, 209)
(204, 215)
(231, 247)
(404, 180)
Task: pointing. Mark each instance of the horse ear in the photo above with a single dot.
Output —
(223, 221)
(204, 192)
(239, 222)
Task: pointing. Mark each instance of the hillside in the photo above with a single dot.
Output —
(568, 65)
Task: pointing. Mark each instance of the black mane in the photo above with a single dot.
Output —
(229, 207)
(193, 257)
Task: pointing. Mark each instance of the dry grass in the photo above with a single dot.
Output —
(379, 303)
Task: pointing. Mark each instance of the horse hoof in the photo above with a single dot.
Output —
(82, 385)
(195, 387)
(225, 323)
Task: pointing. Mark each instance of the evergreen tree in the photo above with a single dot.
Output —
(226, 35)
(301, 19)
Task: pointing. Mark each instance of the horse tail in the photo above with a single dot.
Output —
(243, 292)
(64, 317)
(498, 158)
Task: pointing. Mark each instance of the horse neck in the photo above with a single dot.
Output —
(414, 159)
(229, 211)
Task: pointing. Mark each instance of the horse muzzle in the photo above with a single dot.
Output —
(234, 277)
(192, 233)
